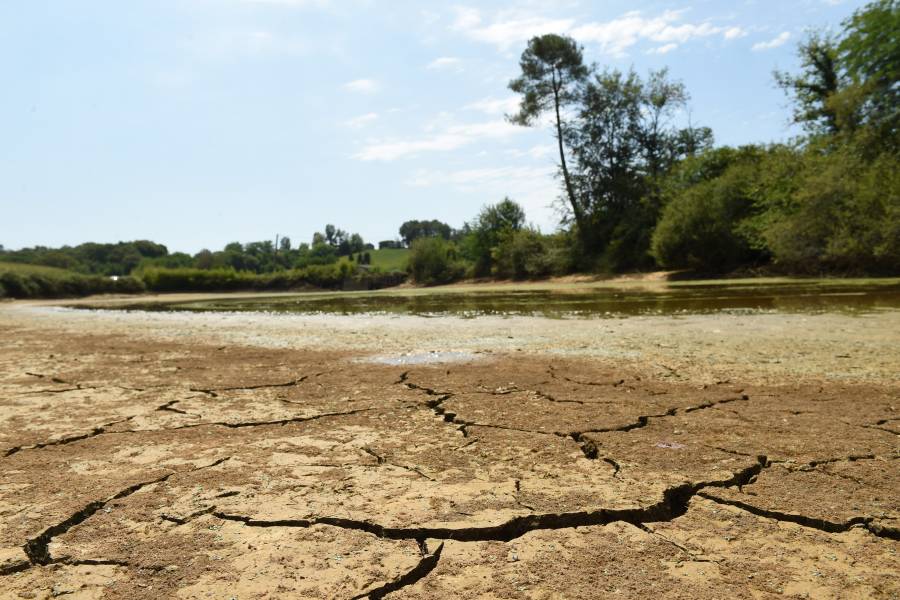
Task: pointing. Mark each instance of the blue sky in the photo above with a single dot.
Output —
(199, 122)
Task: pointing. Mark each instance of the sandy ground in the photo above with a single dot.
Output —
(155, 455)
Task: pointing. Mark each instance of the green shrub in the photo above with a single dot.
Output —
(700, 227)
(522, 254)
(40, 283)
(18, 285)
(840, 215)
(432, 261)
(331, 276)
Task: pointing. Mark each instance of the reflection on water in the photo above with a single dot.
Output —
(580, 302)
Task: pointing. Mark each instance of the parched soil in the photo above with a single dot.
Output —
(136, 464)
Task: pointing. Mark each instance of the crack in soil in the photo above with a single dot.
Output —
(37, 549)
(381, 460)
(189, 518)
(99, 430)
(587, 447)
(242, 424)
(168, 406)
(611, 383)
(214, 392)
(811, 465)
(811, 522)
(102, 429)
(77, 385)
(713, 403)
(613, 464)
(674, 503)
(425, 566)
(694, 557)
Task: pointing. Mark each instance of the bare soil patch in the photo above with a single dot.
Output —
(167, 463)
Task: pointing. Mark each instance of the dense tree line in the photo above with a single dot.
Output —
(90, 258)
(641, 191)
(827, 202)
(123, 258)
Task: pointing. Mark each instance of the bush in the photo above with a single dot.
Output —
(333, 276)
(700, 227)
(433, 261)
(840, 215)
(523, 254)
(37, 284)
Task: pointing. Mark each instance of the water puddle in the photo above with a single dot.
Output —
(856, 297)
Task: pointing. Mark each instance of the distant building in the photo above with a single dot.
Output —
(389, 244)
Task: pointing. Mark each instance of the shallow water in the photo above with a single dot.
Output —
(805, 297)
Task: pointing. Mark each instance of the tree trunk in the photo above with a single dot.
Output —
(576, 208)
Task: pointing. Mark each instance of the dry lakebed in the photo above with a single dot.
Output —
(640, 442)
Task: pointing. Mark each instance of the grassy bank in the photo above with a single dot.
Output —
(32, 281)
(329, 277)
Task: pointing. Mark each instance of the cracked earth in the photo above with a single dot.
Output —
(138, 463)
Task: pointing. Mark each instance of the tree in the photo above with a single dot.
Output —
(356, 243)
(606, 146)
(661, 98)
(330, 233)
(486, 232)
(553, 73)
(412, 230)
(870, 55)
(623, 140)
(814, 87)
(432, 261)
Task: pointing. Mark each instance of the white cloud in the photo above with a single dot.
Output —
(495, 106)
(775, 42)
(733, 33)
(445, 62)
(448, 138)
(466, 18)
(361, 121)
(509, 29)
(362, 86)
(663, 49)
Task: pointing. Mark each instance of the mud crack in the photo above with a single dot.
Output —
(214, 392)
(242, 424)
(99, 430)
(37, 549)
(381, 460)
(674, 503)
(811, 522)
(423, 568)
(607, 383)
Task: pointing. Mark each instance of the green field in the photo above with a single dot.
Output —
(24, 269)
(390, 259)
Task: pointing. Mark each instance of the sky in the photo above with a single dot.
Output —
(195, 123)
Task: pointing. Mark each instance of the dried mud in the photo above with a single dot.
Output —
(166, 464)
